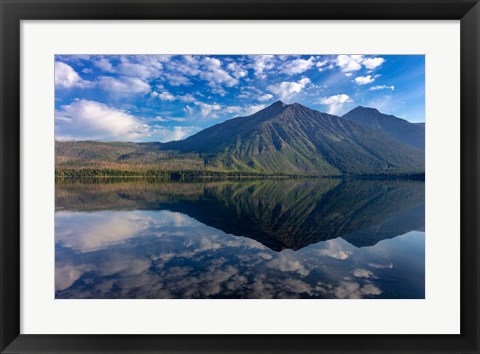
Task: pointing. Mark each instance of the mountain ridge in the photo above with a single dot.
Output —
(400, 129)
(281, 138)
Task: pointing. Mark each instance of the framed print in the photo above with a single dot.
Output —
(239, 177)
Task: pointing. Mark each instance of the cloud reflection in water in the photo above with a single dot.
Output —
(165, 254)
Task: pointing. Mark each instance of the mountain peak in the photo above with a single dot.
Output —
(366, 109)
(278, 103)
(397, 128)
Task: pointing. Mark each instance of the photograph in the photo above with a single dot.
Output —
(252, 176)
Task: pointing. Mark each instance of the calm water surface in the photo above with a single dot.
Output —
(316, 238)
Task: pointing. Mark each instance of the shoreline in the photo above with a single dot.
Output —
(200, 175)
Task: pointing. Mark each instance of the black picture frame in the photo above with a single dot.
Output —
(14, 11)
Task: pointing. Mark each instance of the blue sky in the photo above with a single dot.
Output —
(165, 97)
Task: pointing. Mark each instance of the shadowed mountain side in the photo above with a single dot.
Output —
(402, 130)
(278, 213)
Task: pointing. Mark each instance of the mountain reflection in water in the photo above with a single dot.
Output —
(314, 238)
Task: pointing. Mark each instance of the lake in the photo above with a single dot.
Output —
(258, 239)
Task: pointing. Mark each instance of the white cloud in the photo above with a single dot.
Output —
(90, 120)
(297, 66)
(382, 87)
(104, 64)
(372, 63)
(166, 96)
(335, 102)
(139, 66)
(265, 97)
(176, 79)
(351, 63)
(188, 98)
(137, 70)
(208, 109)
(253, 109)
(85, 119)
(262, 64)
(237, 70)
(66, 76)
(287, 89)
(326, 64)
(214, 74)
(123, 85)
(190, 66)
(241, 111)
(364, 80)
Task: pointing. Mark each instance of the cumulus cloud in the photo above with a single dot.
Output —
(364, 80)
(265, 97)
(166, 96)
(287, 89)
(297, 66)
(335, 102)
(214, 74)
(237, 70)
(382, 87)
(208, 109)
(176, 79)
(261, 64)
(351, 63)
(67, 77)
(139, 66)
(326, 64)
(123, 85)
(104, 64)
(372, 63)
(85, 119)
(137, 70)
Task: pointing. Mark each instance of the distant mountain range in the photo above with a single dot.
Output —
(290, 139)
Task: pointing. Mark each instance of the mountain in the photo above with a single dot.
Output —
(287, 139)
(295, 138)
(412, 134)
